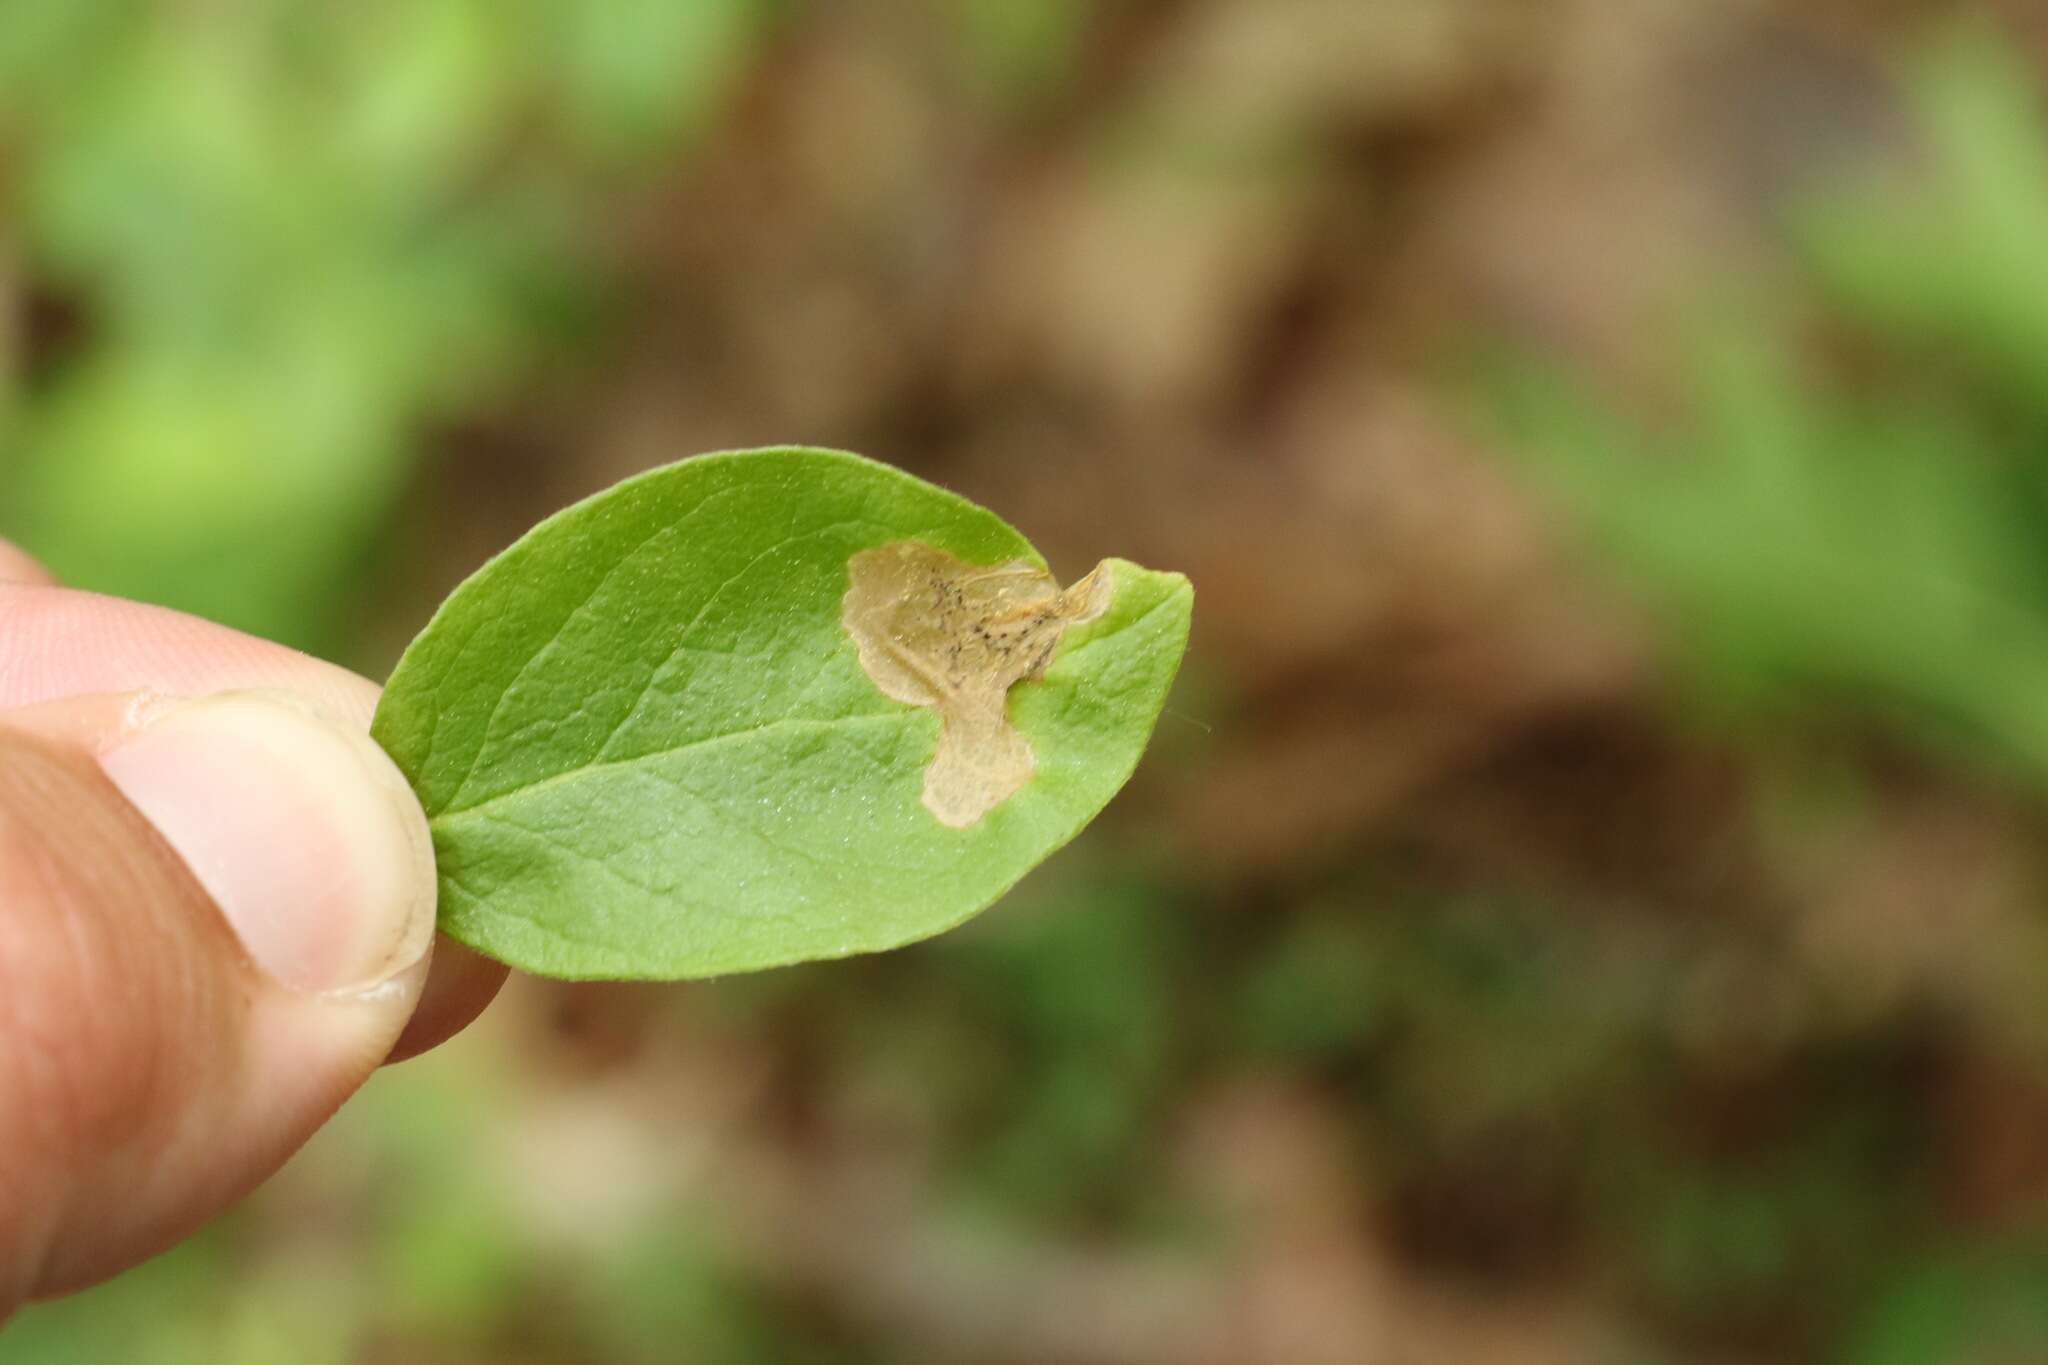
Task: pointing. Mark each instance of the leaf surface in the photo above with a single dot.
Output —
(648, 747)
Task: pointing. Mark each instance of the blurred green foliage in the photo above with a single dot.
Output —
(1020, 52)
(1850, 506)
(1845, 514)
(1988, 1304)
(283, 236)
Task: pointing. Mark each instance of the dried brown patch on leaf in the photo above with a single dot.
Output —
(934, 630)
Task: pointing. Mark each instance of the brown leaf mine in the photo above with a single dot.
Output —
(934, 630)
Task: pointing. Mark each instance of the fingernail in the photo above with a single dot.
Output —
(300, 828)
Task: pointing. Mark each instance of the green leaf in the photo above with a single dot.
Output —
(650, 744)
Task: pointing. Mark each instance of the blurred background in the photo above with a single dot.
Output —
(1586, 901)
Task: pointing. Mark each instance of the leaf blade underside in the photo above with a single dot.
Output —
(647, 749)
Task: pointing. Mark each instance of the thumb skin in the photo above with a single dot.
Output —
(215, 917)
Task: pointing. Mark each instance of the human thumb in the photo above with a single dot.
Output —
(214, 921)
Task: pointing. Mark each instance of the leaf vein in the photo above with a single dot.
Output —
(555, 636)
(710, 601)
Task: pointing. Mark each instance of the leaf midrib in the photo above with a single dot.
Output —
(781, 723)
(563, 778)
